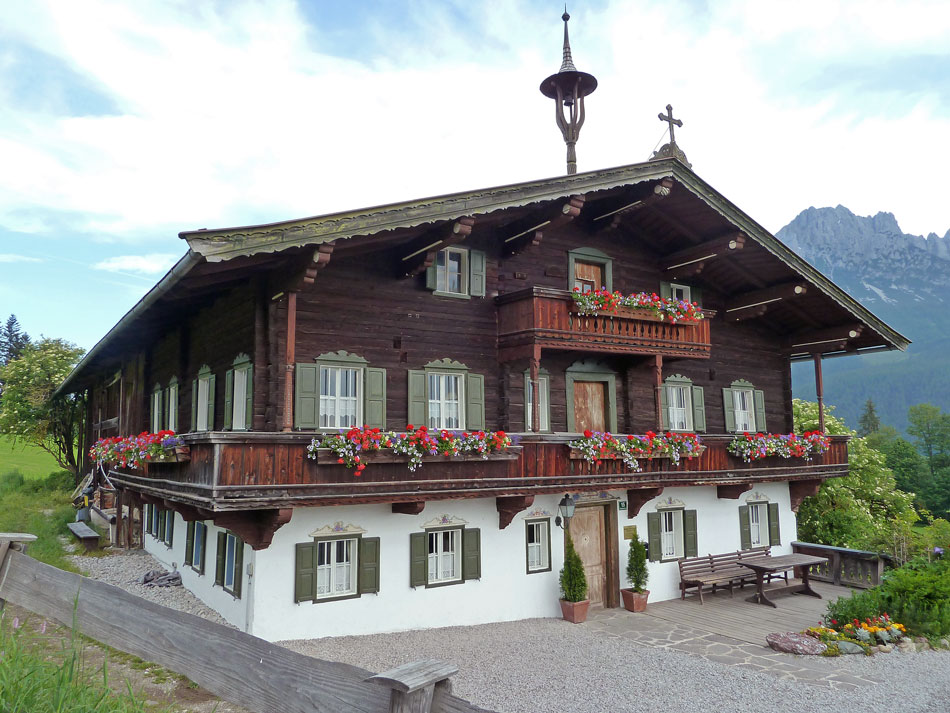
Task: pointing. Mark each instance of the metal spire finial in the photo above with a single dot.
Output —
(567, 65)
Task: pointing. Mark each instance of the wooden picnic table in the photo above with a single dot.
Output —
(763, 566)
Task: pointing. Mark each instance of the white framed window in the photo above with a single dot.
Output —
(156, 409)
(204, 395)
(198, 546)
(340, 396)
(451, 271)
(444, 556)
(336, 568)
(680, 292)
(445, 400)
(679, 407)
(671, 534)
(230, 558)
(543, 400)
(759, 524)
(537, 535)
(744, 409)
(171, 406)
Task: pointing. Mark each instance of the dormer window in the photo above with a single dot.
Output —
(450, 270)
(679, 292)
(589, 270)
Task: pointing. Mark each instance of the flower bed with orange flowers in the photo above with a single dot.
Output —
(596, 447)
(353, 447)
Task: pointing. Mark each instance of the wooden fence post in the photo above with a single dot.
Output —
(8, 541)
(413, 685)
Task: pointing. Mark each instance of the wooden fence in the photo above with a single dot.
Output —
(845, 567)
(235, 666)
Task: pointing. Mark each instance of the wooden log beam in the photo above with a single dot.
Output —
(798, 490)
(682, 260)
(509, 506)
(411, 508)
(753, 312)
(638, 497)
(255, 527)
(529, 231)
(821, 339)
(769, 295)
(420, 253)
(733, 491)
(610, 216)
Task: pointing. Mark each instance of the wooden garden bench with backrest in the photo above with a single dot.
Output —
(716, 571)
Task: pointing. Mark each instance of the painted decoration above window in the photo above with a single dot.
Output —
(670, 310)
(536, 513)
(670, 503)
(444, 520)
(338, 528)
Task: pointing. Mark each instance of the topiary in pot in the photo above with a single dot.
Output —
(573, 584)
(635, 598)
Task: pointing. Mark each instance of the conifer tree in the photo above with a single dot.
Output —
(12, 340)
(869, 421)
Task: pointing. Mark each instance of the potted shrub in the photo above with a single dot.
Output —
(574, 603)
(635, 598)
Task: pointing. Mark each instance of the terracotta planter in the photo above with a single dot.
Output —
(635, 601)
(575, 612)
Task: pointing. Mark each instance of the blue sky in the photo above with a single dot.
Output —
(122, 124)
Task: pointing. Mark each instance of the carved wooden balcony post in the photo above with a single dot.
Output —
(534, 368)
(658, 384)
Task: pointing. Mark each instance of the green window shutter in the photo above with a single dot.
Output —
(369, 566)
(238, 566)
(189, 542)
(664, 409)
(305, 572)
(431, 279)
(696, 295)
(729, 408)
(374, 408)
(745, 530)
(475, 402)
(417, 398)
(758, 398)
(775, 538)
(228, 398)
(307, 396)
(161, 525)
(418, 559)
(477, 264)
(219, 558)
(699, 409)
(249, 400)
(665, 291)
(204, 548)
(653, 536)
(194, 405)
(690, 539)
(211, 403)
(471, 553)
(170, 529)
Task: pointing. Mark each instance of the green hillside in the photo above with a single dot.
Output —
(31, 461)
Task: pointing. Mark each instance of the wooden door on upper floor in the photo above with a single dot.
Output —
(588, 277)
(588, 530)
(590, 406)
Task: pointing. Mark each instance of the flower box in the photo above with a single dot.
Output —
(181, 454)
(326, 456)
(577, 454)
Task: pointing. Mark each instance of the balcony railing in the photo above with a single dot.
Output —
(240, 471)
(846, 567)
(546, 318)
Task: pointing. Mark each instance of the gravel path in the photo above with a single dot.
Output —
(548, 664)
(125, 568)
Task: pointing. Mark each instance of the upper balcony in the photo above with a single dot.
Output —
(544, 318)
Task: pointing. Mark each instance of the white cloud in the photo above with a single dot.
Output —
(238, 112)
(154, 264)
(8, 257)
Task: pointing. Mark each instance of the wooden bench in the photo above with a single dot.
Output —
(85, 534)
(716, 571)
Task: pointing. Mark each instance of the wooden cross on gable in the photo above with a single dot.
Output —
(668, 118)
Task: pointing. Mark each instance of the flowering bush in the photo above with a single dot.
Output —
(755, 446)
(415, 443)
(134, 451)
(674, 311)
(595, 447)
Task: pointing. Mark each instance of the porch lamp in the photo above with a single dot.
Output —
(565, 510)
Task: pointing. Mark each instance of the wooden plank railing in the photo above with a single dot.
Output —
(845, 567)
(235, 666)
(547, 318)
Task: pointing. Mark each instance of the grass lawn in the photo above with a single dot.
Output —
(31, 461)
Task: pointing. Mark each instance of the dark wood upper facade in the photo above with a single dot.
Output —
(272, 298)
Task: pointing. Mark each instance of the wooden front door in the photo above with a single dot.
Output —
(588, 531)
(590, 406)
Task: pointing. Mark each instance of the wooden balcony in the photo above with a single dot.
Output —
(540, 317)
(257, 471)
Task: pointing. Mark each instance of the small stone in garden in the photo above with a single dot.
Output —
(885, 648)
(923, 646)
(944, 644)
(907, 646)
(920, 639)
(849, 647)
(792, 643)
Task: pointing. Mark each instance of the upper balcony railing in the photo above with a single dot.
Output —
(540, 317)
